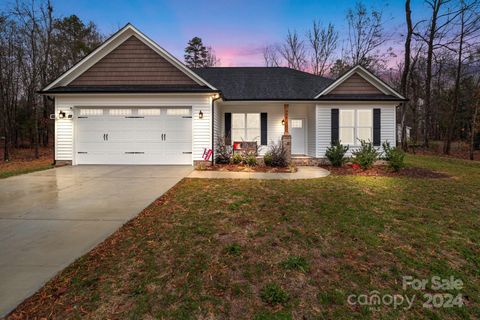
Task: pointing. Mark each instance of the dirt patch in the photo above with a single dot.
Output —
(243, 168)
(384, 171)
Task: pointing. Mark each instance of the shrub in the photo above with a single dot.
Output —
(336, 154)
(268, 159)
(366, 155)
(251, 160)
(396, 159)
(237, 158)
(387, 149)
(295, 263)
(276, 155)
(273, 294)
(223, 153)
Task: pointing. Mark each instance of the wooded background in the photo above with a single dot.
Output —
(436, 65)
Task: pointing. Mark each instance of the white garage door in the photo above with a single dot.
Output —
(133, 136)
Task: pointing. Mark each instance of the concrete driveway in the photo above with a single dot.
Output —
(50, 218)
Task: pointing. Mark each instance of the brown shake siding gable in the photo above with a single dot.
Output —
(355, 84)
(132, 63)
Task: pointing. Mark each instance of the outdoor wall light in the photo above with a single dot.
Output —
(200, 115)
(283, 122)
(61, 114)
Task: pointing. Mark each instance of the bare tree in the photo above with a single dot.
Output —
(35, 48)
(469, 26)
(323, 42)
(365, 35)
(474, 123)
(211, 60)
(434, 37)
(406, 71)
(271, 56)
(293, 51)
(26, 13)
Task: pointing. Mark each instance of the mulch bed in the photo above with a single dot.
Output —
(243, 168)
(384, 171)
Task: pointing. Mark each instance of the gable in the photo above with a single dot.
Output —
(356, 84)
(132, 63)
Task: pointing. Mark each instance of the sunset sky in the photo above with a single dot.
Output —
(237, 30)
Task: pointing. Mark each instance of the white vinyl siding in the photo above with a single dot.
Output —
(324, 131)
(64, 138)
(387, 125)
(201, 128)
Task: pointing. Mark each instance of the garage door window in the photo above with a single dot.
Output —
(91, 112)
(120, 112)
(149, 112)
(178, 112)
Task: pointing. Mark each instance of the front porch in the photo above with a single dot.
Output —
(267, 123)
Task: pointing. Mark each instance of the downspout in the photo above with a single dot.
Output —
(213, 127)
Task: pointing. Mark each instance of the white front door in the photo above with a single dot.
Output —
(297, 131)
(133, 136)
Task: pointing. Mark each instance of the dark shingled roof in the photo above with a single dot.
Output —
(131, 89)
(264, 83)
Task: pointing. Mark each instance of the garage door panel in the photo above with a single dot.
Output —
(152, 138)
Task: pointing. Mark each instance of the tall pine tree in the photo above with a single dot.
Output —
(196, 54)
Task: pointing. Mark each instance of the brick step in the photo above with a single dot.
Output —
(305, 161)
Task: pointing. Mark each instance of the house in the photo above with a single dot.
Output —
(131, 102)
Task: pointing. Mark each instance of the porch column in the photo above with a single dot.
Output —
(286, 137)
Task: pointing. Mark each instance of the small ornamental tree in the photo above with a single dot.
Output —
(336, 154)
(366, 155)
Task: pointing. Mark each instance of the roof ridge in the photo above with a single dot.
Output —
(264, 67)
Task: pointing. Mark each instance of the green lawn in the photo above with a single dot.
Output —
(216, 249)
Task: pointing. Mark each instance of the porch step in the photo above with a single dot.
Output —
(300, 160)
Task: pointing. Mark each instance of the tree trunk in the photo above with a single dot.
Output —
(473, 129)
(428, 81)
(36, 138)
(406, 70)
(453, 116)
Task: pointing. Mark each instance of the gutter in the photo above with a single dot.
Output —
(52, 92)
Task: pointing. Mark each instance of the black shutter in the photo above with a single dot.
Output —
(376, 127)
(263, 129)
(228, 128)
(334, 126)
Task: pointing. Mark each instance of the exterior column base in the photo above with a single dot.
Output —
(287, 146)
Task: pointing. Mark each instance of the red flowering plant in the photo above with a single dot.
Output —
(355, 166)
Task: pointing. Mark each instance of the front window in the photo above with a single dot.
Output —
(246, 127)
(355, 125)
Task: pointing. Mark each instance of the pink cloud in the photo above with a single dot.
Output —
(251, 55)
